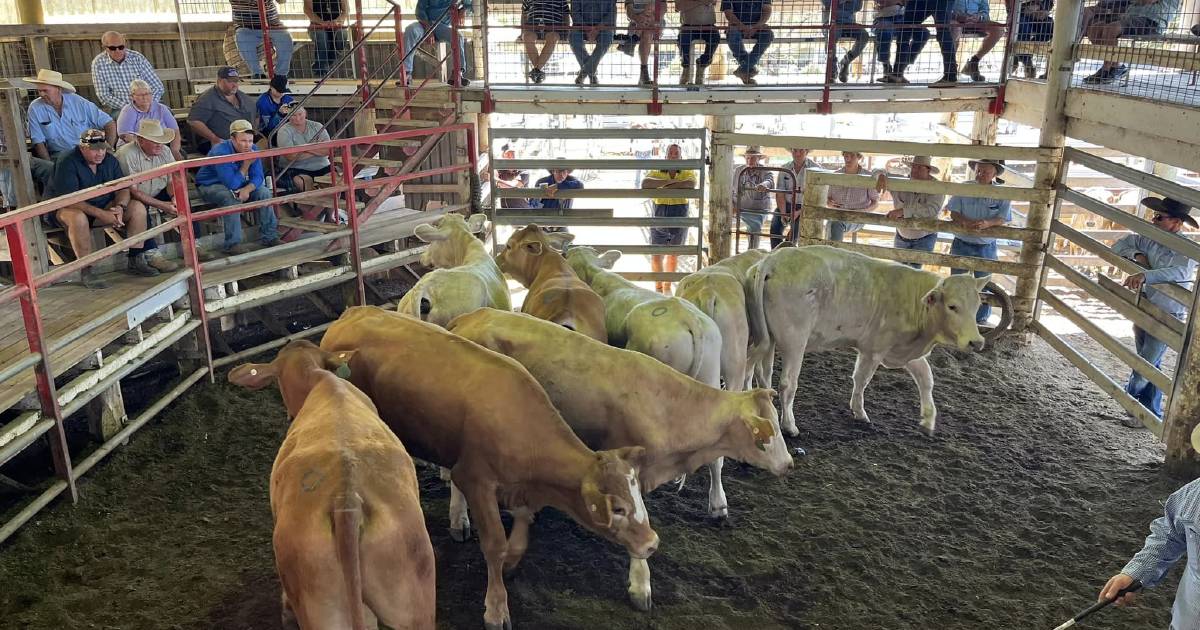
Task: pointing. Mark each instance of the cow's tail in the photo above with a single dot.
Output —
(347, 533)
(760, 334)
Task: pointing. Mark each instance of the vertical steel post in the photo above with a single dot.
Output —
(191, 258)
(352, 215)
(18, 247)
(268, 50)
(830, 57)
(362, 50)
(456, 65)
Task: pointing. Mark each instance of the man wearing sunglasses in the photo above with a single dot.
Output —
(115, 68)
(1162, 265)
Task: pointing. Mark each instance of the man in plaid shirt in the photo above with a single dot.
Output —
(113, 70)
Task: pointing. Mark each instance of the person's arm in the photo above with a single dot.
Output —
(873, 198)
(110, 132)
(310, 14)
(1165, 545)
(121, 198)
(230, 175)
(1128, 247)
(256, 175)
(1003, 218)
(203, 131)
(650, 181)
(731, 17)
(150, 76)
(40, 150)
(1179, 268)
(766, 15)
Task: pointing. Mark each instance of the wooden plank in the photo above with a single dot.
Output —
(929, 258)
(892, 147)
(635, 250)
(310, 226)
(550, 213)
(594, 193)
(631, 165)
(1157, 57)
(1152, 309)
(933, 225)
(1176, 243)
(1134, 314)
(1136, 178)
(936, 187)
(1101, 380)
(573, 221)
(1118, 349)
(595, 134)
(1174, 291)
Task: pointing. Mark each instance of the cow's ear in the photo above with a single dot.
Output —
(982, 282)
(560, 240)
(632, 454)
(609, 258)
(933, 297)
(253, 375)
(339, 362)
(760, 430)
(428, 233)
(534, 248)
(475, 222)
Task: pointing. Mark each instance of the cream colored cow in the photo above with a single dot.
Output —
(719, 291)
(465, 276)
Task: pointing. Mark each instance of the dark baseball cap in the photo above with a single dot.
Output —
(229, 73)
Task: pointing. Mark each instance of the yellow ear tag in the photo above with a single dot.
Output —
(343, 371)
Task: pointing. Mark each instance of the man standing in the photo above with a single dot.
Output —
(232, 183)
(792, 180)
(57, 119)
(914, 205)
(87, 165)
(979, 213)
(751, 193)
(1163, 265)
(216, 109)
(433, 15)
(747, 19)
(115, 68)
(149, 151)
(591, 21)
(850, 198)
(558, 179)
(512, 178)
(668, 207)
(249, 36)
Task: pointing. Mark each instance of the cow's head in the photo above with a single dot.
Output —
(522, 255)
(450, 238)
(950, 311)
(293, 369)
(586, 262)
(756, 435)
(612, 498)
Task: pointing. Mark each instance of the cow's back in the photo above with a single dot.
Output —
(677, 333)
(566, 300)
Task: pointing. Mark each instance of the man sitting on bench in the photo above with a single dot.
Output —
(232, 183)
(1140, 19)
(90, 164)
(56, 118)
(149, 150)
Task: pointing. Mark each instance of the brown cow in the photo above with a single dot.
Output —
(481, 414)
(556, 294)
(613, 398)
(350, 540)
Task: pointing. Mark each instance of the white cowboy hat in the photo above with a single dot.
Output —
(50, 77)
(153, 131)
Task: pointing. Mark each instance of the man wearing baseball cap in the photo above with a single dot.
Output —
(218, 107)
(1162, 265)
(89, 164)
(232, 183)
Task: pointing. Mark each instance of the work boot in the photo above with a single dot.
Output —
(234, 250)
(579, 78)
(971, 69)
(843, 73)
(138, 266)
(629, 45)
(685, 75)
(950, 79)
(701, 71)
(592, 80)
(160, 262)
(1103, 75)
(90, 279)
(887, 68)
(745, 76)
(644, 78)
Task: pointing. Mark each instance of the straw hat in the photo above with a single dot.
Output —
(50, 77)
(153, 131)
(999, 164)
(754, 149)
(924, 160)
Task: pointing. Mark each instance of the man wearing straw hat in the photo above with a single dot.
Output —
(149, 151)
(89, 164)
(979, 213)
(1162, 265)
(914, 205)
(751, 193)
(57, 117)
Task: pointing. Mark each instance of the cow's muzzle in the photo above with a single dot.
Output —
(977, 344)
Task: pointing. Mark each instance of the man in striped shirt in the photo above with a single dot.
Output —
(249, 36)
(847, 198)
(115, 68)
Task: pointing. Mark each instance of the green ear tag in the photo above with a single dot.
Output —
(343, 371)
(762, 446)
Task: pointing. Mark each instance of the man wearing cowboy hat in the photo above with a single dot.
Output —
(850, 198)
(978, 213)
(751, 193)
(558, 179)
(57, 117)
(791, 180)
(149, 151)
(232, 183)
(89, 164)
(1162, 265)
(914, 205)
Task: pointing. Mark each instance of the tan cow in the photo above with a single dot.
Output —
(465, 276)
(613, 398)
(556, 294)
(481, 414)
(350, 540)
(719, 291)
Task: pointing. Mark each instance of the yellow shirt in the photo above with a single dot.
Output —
(679, 176)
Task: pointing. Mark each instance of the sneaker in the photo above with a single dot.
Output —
(138, 266)
(745, 76)
(947, 80)
(160, 262)
(843, 74)
(1131, 422)
(90, 279)
(753, 72)
(205, 255)
(1119, 72)
(971, 69)
(593, 80)
(1101, 76)
(463, 81)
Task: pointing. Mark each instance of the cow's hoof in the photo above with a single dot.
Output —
(791, 431)
(460, 534)
(503, 625)
(927, 431)
(641, 601)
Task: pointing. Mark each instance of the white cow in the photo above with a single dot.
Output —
(718, 290)
(819, 298)
(465, 276)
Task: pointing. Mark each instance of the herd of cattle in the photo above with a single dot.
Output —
(458, 379)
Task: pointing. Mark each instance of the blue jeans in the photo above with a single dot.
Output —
(327, 47)
(839, 229)
(778, 227)
(707, 34)
(249, 39)
(749, 60)
(884, 32)
(1152, 350)
(589, 63)
(925, 244)
(959, 247)
(441, 33)
(219, 195)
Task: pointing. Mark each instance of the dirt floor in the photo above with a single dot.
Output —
(1030, 495)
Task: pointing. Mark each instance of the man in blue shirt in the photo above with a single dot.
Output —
(846, 26)
(57, 118)
(428, 14)
(979, 213)
(558, 179)
(1162, 265)
(232, 183)
(593, 21)
(1172, 536)
(747, 19)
